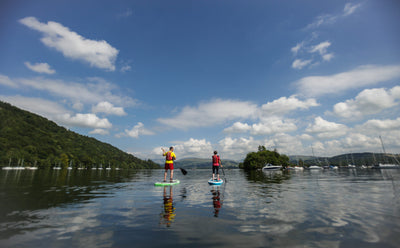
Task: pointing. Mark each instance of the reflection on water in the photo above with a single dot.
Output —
(324, 208)
(217, 201)
(168, 213)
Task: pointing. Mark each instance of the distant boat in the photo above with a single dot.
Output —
(315, 167)
(386, 165)
(332, 167)
(13, 168)
(298, 168)
(272, 167)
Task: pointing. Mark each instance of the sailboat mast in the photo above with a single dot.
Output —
(383, 147)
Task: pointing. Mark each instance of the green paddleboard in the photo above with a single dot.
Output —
(167, 183)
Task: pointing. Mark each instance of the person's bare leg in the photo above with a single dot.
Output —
(172, 175)
(165, 175)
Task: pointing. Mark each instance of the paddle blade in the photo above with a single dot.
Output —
(184, 172)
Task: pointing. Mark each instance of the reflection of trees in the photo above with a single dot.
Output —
(168, 211)
(276, 177)
(24, 192)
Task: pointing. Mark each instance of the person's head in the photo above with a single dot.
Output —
(171, 148)
(215, 152)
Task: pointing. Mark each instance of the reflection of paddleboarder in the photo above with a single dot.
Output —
(168, 213)
(216, 201)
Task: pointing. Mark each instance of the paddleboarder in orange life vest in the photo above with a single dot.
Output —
(169, 162)
(216, 163)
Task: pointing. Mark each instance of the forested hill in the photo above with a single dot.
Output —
(37, 141)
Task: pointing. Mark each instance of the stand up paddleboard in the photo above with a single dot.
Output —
(167, 183)
(215, 182)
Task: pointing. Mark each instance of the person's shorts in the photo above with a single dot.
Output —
(215, 169)
(169, 166)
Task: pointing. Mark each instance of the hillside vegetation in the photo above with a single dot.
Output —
(33, 140)
(358, 159)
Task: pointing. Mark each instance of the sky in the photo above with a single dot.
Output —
(303, 77)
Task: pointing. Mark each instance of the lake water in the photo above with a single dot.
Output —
(341, 208)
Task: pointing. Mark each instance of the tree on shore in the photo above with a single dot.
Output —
(257, 160)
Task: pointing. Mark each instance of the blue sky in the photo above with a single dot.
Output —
(209, 75)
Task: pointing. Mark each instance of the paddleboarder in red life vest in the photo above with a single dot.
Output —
(169, 162)
(216, 163)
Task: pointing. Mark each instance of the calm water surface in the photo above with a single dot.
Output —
(342, 208)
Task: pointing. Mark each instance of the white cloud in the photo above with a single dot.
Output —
(327, 57)
(237, 148)
(297, 48)
(360, 77)
(95, 91)
(6, 81)
(321, 48)
(326, 19)
(40, 68)
(136, 131)
(306, 137)
(299, 64)
(211, 113)
(267, 126)
(350, 8)
(238, 127)
(273, 125)
(287, 144)
(325, 129)
(322, 20)
(194, 148)
(108, 108)
(46, 108)
(285, 105)
(127, 13)
(84, 120)
(56, 112)
(98, 54)
(100, 131)
(382, 125)
(368, 102)
(126, 68)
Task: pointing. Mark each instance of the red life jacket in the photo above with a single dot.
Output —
(216, 160)
(168, 156)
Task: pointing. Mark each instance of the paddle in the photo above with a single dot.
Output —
(223, 172)
(184, 172)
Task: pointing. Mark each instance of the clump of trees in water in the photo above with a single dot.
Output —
(27, 139)
(257, 160)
